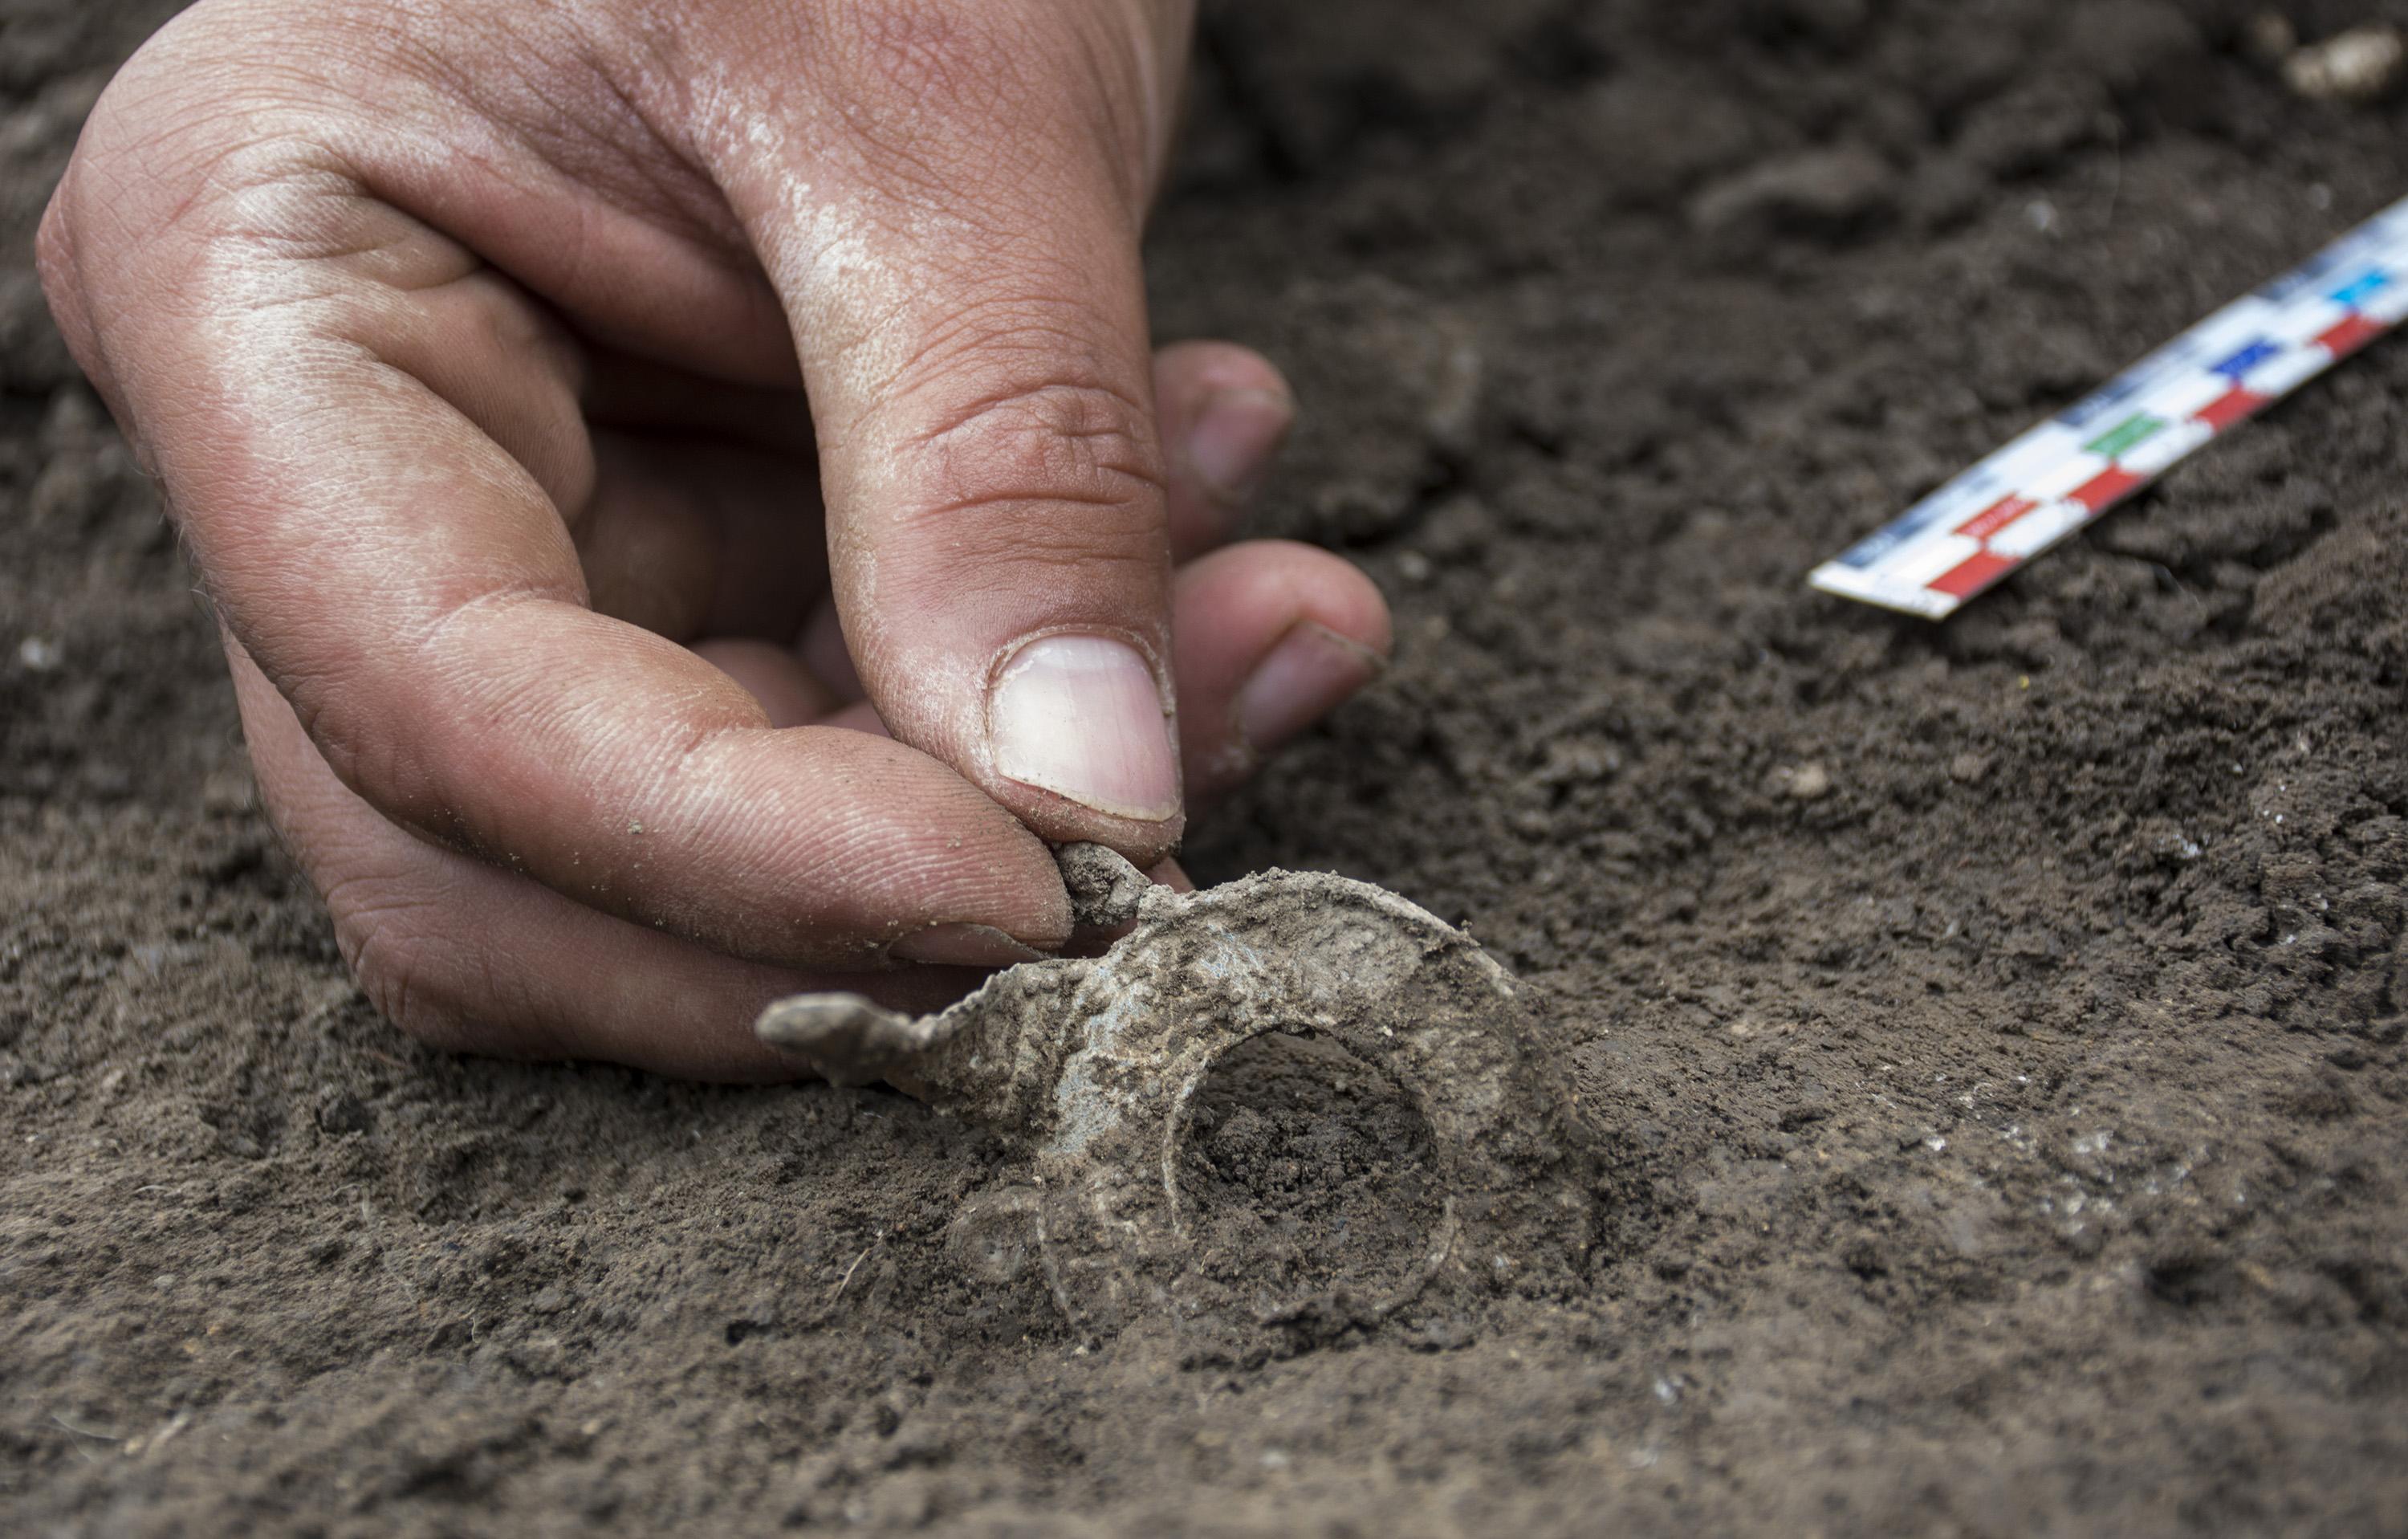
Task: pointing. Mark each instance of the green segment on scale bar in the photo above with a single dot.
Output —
(2133, 430)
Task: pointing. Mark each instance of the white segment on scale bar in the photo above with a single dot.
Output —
(2361, 277)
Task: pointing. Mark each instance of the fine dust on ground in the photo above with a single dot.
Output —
(1999, 1026)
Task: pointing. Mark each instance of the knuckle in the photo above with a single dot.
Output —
(201, 161)
(1051, 439)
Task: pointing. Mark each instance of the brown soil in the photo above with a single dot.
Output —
(1308, 1174)
(1996, 1028)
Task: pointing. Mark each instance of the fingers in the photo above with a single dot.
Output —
(469, 957)
(1225, 412)
(1221, 406)
(333, 430)
(962, 275)
(1272, 637)
(691, 534)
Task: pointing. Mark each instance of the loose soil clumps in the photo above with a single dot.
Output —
(1992, 1034)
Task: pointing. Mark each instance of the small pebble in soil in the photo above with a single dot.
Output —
(2362, 65)
(1808, 782)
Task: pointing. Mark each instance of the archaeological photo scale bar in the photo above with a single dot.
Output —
(1978, 528)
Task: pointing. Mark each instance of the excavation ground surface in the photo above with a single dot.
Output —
(1995, 1030)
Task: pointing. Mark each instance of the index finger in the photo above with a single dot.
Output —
(370, 443)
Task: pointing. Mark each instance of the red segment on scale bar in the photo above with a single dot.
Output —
(2353, 333)
(1996, 516)
(1972, 574)
(2105, 489)
(2235, 405)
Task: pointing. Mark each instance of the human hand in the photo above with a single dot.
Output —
(494, 357)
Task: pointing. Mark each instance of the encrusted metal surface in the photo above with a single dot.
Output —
(1095, 1065)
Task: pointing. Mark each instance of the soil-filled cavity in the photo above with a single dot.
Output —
(1308, 1177)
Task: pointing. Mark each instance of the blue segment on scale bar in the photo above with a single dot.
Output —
(2246, 359)
(2355, 293)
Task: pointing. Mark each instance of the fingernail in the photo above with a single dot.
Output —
(962, 946)
(1235, 437)
(1305, 677)
(1080, 716)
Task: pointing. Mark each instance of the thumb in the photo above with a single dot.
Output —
(974, 343)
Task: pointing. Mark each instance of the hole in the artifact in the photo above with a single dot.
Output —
(1310, 1178)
